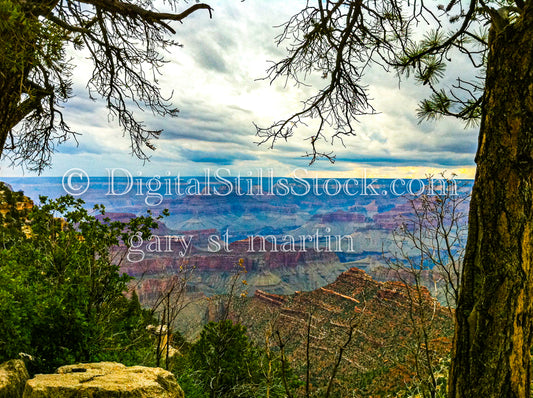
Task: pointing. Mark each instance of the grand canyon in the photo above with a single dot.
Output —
(285, 242)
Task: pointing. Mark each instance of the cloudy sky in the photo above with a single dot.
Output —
(215, 82)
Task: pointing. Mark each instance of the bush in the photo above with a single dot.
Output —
(225, 363)
(61, 295)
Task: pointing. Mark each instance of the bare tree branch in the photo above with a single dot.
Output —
(124, 40)
(340, 40)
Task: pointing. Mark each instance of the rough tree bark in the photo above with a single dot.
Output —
(11, 83)
(9, 98)
(491, 356)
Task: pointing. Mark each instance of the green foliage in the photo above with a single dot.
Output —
(34, 44)
(122, 39)
(222, 356)
(434, 107)
(61, 293)
(19, 52)
(225, 363)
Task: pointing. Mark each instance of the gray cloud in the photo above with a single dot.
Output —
(224, 157)
(213, 80)
(210, 58)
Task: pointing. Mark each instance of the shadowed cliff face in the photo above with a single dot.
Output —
(211, 272)
(14, 209)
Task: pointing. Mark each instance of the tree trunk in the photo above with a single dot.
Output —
(9, 99)
(18, 39)
(491, 356)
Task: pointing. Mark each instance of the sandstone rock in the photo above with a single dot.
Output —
(13, 376)
(270, 298)
(104, 380)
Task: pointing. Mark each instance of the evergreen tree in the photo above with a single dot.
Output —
(225, 363)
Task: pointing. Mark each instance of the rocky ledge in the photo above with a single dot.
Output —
(95, 380)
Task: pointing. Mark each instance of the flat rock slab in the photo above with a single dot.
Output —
(104, 380)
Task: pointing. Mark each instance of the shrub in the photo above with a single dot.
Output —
(62, 295)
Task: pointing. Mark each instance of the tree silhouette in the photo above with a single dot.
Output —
(123, 39)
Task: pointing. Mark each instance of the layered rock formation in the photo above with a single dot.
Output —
(271, 268)
(379, 325)
(14, 209)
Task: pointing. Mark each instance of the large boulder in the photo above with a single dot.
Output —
(104, 380)
(13, 376)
